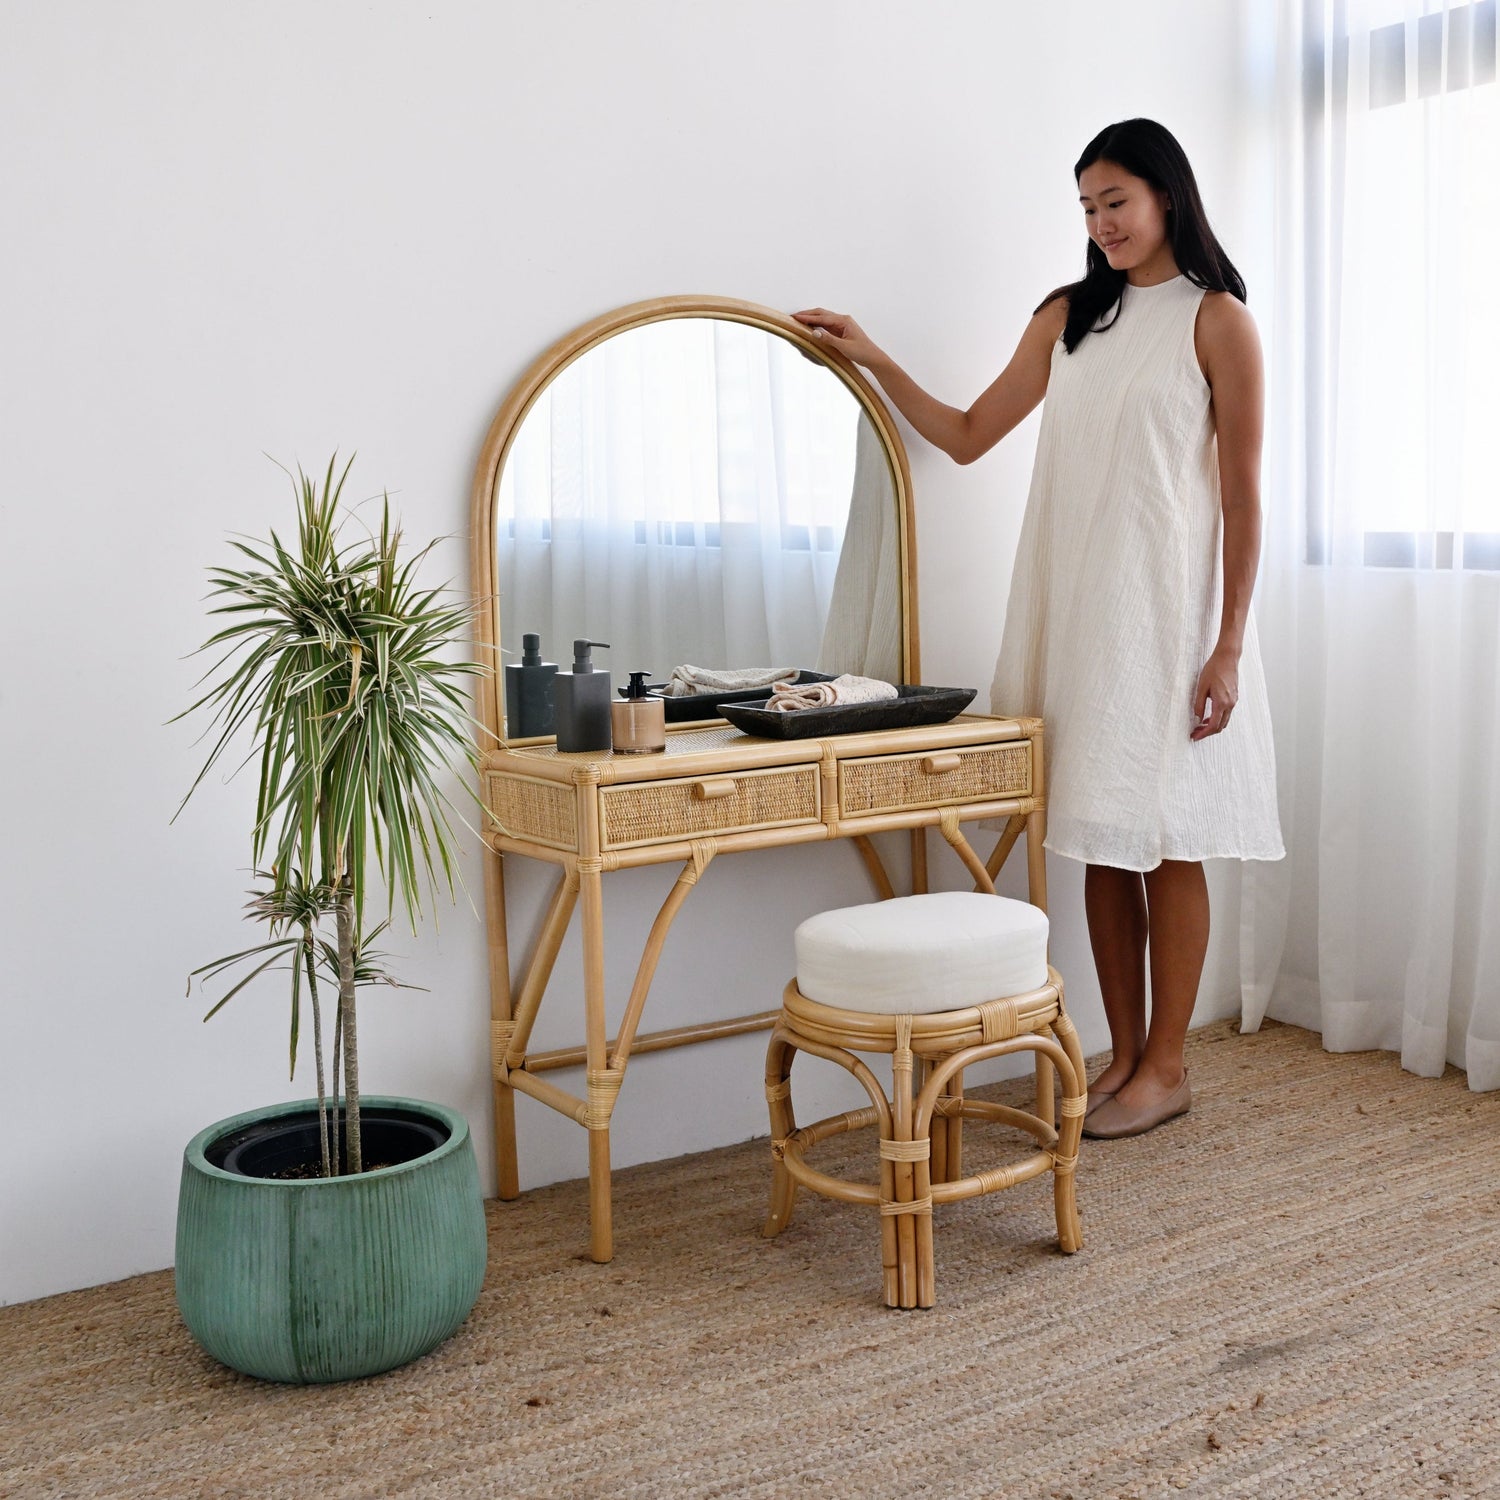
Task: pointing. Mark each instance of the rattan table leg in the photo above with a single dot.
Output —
(779, 1057)
(601, 1224)
(601, 1231)
(1036, 858)
(949, 825)
(507, 1166)
(507, 1169)
(1005, 843)
(703, 852)
(543, 960)
(1036, 881)
(873, 863)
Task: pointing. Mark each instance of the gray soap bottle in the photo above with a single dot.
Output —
(580, 700)
(528, 692)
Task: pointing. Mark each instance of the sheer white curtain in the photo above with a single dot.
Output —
(680, 491)
(1379, 593)
(863, 631)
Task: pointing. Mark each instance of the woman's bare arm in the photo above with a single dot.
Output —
(962, 435)
(1229, 354)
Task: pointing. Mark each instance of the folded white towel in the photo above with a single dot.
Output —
(845, 689)
(689, 681)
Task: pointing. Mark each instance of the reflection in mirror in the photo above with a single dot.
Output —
(699, 491)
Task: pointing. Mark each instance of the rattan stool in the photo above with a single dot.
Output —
(932, 956)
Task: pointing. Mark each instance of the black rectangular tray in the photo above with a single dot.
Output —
(691, 706)
(912, 706)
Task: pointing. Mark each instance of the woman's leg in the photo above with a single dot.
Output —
(1177, 911)
(1115, 904)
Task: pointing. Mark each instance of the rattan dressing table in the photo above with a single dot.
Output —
(714, 790)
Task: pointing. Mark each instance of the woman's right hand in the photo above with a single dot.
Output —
(842, 332)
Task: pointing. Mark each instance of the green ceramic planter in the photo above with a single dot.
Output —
(330, 1278)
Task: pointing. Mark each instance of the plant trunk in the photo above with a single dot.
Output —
(312, 984)
(336, 1109)
(346, 1010)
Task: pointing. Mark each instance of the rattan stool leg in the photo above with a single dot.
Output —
(926, 1272)
(779, 1055)
(1046, 1106)
(939, 1129)
(890, 1251)
(905, 1176)
(955, 1091)
(1070, 1132)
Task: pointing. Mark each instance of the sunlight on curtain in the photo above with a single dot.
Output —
(1380, 595)
(680, 491)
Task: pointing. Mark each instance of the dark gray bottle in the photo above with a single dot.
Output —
(528, 692)
(580, 700)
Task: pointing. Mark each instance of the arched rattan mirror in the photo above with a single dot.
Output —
(694, 480)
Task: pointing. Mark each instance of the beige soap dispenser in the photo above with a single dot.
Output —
(638, 722)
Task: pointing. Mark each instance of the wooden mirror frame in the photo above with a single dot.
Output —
(490, 690)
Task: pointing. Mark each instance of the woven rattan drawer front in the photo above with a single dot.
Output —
(525, 807)
(659, 812)
(936, 778)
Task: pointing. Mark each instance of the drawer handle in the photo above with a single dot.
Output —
(935, 765)
(723, 786)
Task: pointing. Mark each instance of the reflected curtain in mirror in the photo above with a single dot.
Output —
(863, 630)
(682, 490)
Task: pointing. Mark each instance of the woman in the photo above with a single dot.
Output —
(1128, 627)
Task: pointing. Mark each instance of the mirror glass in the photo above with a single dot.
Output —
(699, 491)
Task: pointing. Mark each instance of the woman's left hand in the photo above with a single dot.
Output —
(1219, 685)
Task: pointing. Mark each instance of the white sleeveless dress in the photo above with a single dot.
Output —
(1114, 606)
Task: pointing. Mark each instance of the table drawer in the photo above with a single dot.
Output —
(660, 812)
(934, 778)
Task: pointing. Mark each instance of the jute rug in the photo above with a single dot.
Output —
(1294, 1290)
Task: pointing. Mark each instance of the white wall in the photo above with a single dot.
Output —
(288, 228)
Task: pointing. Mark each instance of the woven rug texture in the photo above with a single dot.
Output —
(1294, 1290)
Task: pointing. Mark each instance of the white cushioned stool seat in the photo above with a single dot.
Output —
(915, 954)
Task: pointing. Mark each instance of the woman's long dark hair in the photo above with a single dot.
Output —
(1150, 151)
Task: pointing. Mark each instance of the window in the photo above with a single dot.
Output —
(1403, 189)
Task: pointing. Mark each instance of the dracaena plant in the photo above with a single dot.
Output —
(335, 663)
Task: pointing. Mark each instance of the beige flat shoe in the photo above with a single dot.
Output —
(1095, 1100)
(1114, 1120)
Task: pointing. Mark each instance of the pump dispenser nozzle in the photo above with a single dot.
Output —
(582, 660)
(637, 688)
